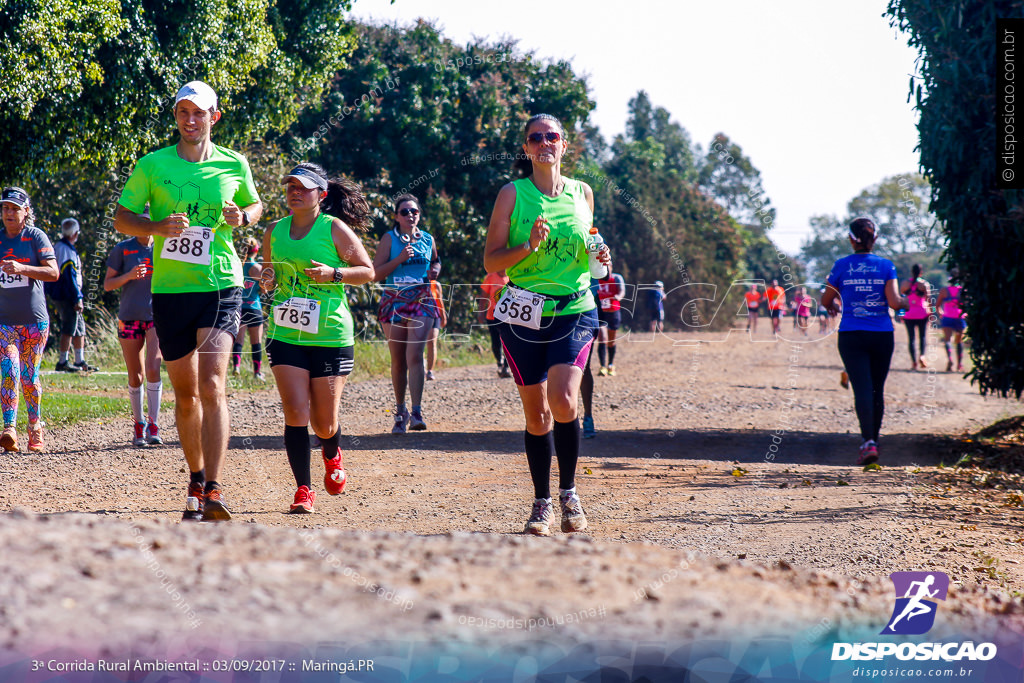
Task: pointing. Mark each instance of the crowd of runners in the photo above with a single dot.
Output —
(188, 300)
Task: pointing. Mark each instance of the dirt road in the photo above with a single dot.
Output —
(724, 465)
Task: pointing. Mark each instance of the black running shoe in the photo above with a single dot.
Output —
(214, 509)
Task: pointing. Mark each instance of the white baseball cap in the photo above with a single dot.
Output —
(199, 94)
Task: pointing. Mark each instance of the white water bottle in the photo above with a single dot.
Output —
(595, 243)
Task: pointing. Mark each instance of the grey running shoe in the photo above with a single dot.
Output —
(573, 518)
(416, 422)
(401, 421)
(539, 523)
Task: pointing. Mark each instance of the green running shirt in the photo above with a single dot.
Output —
(290, 257)
(560, 265)
(169, 184)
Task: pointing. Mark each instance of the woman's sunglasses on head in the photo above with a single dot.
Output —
(538, 137)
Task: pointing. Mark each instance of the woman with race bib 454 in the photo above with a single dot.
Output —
(310, 256)
(547, 313)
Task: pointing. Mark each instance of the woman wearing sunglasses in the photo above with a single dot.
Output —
(406, 261)
(308, 258)
(547, 314)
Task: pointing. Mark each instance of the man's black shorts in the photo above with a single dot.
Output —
(178, 317)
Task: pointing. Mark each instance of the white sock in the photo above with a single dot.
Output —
(154, 391)
(567, 493)
(135, 397)
(64, 357)
(80, 355)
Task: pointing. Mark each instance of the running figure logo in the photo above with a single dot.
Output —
(914, 613)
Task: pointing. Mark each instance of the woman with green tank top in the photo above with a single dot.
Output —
(547, 313)
(308, 258)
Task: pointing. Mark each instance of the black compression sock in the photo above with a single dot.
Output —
(296, 445)
(211, 485)
(331, 445)
(257, 354)
(197, 477)
(538, 455)
(602, 354)
(611, 355)
(567, 450)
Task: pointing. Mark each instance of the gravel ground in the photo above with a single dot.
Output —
(721, 493)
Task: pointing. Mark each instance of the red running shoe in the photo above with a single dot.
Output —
(868, 453)
(214, 509)
(334, 475)
(304, 499)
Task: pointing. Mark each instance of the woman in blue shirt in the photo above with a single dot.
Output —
(866, 286)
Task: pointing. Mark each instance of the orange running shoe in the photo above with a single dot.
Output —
(214, 509)
(35, 437)
(334, 475)
(9, 439)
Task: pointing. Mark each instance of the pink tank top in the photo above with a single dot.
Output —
(951, 306)
(916, 310)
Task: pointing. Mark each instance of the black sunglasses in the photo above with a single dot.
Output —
(550, 136)
(408, 212)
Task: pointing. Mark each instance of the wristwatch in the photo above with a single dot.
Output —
(338, 275)
(245, 218)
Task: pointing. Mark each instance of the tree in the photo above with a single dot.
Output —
(92, 83)
(659, 224)
(415, 112)
(955, 93)
(907, 232)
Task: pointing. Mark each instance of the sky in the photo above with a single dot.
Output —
(815, 93)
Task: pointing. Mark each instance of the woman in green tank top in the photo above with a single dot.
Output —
(308, 258)
(548, 315)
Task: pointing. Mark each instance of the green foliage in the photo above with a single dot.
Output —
(659, 225)
(417, 113)
(908, 233)
(93, 82)
(956, 96)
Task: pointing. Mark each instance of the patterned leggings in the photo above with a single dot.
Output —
(21, 353)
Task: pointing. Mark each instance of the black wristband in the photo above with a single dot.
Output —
(338, 275)
(245, 218)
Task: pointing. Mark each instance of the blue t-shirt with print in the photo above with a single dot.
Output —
(860, 280)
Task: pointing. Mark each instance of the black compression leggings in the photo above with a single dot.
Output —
(867, 356)
(921, 326)
(496, 343)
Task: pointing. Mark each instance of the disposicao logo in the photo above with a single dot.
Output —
(914, 614)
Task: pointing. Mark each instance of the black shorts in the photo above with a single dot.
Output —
(563, 340)
(319, 361)
(178, 317)
(252, 317)
(610, 319)
(776, 312)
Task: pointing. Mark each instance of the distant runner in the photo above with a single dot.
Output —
(918, 293)
(130, 269)
(611, 290)
(252, 311)
(865, 283)
(753, 299)
(776, 298)
(493, 284)
(953, 320)
(406, 261)
(656, 306)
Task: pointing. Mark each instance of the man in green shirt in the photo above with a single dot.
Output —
(197, 193)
